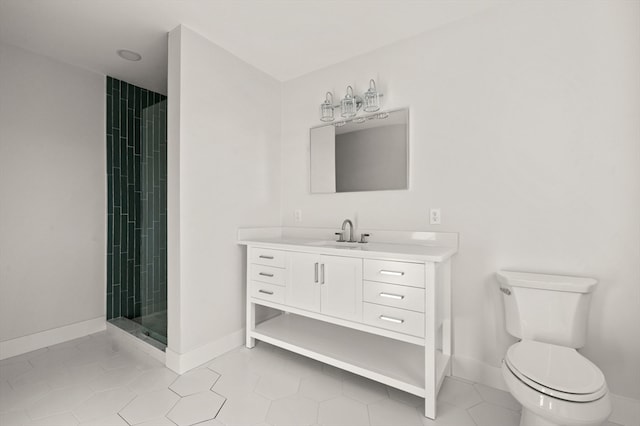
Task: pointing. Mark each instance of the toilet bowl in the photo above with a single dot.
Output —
(555, 384)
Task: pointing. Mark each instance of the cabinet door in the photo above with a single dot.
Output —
(303, 287)
(341, 287)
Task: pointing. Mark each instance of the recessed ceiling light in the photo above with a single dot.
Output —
(129, 55)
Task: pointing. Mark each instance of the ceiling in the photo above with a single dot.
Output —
(283, 38)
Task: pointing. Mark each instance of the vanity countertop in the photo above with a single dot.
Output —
(370, 250)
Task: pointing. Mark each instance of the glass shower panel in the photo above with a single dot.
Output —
(153, 223)
(136, 125)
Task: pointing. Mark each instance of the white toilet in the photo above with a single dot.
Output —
(544, 371)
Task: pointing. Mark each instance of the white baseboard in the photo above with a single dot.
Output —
(24, 344)
(181, 363)
(478, 372)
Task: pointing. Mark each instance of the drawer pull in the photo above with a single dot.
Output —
(391, 319)
(392, 296)
(394, 273)
(265, 291)
(262, 256)
(264, 274)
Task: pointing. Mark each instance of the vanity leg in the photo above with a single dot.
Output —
(251, 324)
(430, 316)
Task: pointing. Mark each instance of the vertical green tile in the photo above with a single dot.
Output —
(116, 266)
(109, 154)
(116, 226)
(131, 246)
(109, 123)
(110, 194)
(130, 128)
(109, 234)
(110, 272)
(124, 196)
(116, 188)
(109, 306)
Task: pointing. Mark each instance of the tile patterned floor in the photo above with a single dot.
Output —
(93, 381)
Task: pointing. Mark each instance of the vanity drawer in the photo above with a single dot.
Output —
(386, 271)
(268, 274)
(273, 293)
(397, 296)
(268, 257)
(394, 319)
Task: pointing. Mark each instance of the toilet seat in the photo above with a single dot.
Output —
(557, 371)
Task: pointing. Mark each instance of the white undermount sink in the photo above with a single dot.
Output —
(335, 244)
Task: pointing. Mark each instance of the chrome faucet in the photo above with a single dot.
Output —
(344, 225)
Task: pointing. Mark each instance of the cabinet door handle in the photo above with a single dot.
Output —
(394, 273)
(391, 319)
(322, 274)
(265, 291)
(392, 296)
(315, 276)
(262, 256)
(264, 274)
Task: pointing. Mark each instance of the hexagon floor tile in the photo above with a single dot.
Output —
(196, 408)
(293, 411)
(194, 381)
(92, 382)
(485, 414)
(149, 406)
(342, 411)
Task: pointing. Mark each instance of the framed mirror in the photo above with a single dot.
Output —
(372, 155)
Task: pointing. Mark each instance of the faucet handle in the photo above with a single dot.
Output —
(363, 238)
(340, 237)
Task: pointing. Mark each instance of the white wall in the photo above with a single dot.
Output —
(52, 194)
(524, 131)
(224, 173)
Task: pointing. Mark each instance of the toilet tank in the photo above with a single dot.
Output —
(546, 308)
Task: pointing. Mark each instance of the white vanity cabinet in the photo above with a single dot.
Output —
(331, 285)
(378, 310)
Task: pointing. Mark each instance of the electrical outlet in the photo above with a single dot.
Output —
(434, 216)
(297, 215)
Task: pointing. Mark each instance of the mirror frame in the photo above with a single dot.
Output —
(407, 111)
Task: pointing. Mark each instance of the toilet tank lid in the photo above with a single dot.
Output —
(547, 282)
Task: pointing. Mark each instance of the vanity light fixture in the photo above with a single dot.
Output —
(351, 104)
(326, 109)
(372, 98)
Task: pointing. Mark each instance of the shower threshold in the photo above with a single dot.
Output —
(141, 332)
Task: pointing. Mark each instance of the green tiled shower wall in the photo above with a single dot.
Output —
(136, 201)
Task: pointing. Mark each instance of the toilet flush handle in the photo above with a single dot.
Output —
(505, 291)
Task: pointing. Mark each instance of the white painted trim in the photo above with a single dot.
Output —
(24, 344)
(478, 372)
(181, 363)
(129, 342)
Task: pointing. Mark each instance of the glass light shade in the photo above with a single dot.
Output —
(371, 98)
(326, 112)
(326, 108)
(348, 105)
